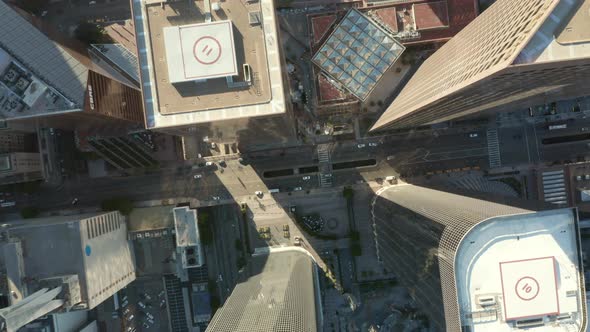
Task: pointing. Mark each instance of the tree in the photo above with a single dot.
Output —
(29, 212)
(348, 192)
(121, 204)
(90, 33)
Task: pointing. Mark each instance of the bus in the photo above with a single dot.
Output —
(557, 126)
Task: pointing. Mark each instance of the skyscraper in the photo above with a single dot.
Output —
(86, 258)
(475, 265)
(280, 293)
(515, 54)
(55, 81)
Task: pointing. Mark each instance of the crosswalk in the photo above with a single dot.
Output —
(323, 153)
(554, 190)
(494, 148)
(325, 167)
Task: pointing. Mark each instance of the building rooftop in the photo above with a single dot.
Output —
(94, 248)
(122, 58)
(185, 225)
(358, 53)
(562, 36)
(43, 57)
(576, 29)
(123, 33)
(200, 52)
(280, 294)
(522, 271)
(244, 83)
(431, 15)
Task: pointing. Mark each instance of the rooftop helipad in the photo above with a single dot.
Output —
(200, 51)
(529, 288)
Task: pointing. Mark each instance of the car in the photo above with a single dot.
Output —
(259, 193)
(151, 321)
(141, 304)
(285, 227)
(147, 296)
(149, 315)
(126, 311)
(115, 314)
(145, 325)
(74, 201)
(43, 13)
(198, 176)
(162, 303)
(373, 144)
(130, 318)
(587, 177)
(361, 145)
(216, 198)
(209, 163)
(306, 178)
(297, 189)
(473, 135)
(213, 146)
(91, 3)
(578, 178)
(293, 209)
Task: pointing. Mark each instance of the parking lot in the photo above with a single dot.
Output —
(143, 306)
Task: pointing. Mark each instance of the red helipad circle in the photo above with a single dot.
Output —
(207, 50)
(527, 288)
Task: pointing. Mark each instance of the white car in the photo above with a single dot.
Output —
(258, 193)
(373, 144)
(198, 176)
(360, 146)
(209, 163)
(130, 318)
(306, 178)
(473, 135)
(297, 189)
(216, 198)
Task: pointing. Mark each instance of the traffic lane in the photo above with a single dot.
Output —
(565, 152)
(514, 145)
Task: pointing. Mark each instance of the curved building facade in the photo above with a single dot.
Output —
(280, 293)
(462, 259)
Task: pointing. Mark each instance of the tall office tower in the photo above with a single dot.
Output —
(280, 293)
(515, 54)
(87, 258)
(213, 68)
(54, 81)
(475, 265)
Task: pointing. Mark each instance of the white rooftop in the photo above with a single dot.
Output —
(521, 269)
(200, 51)
(529, 288)
(185, 225)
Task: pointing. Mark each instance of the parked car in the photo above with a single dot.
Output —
(141, 304)
(130, 318)
(216, 198)
(223, 163)
(361, 145)
(373, 144)
(473, 135)
(198, 176)
(306, 178)
(74, 201)
(297, 189)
